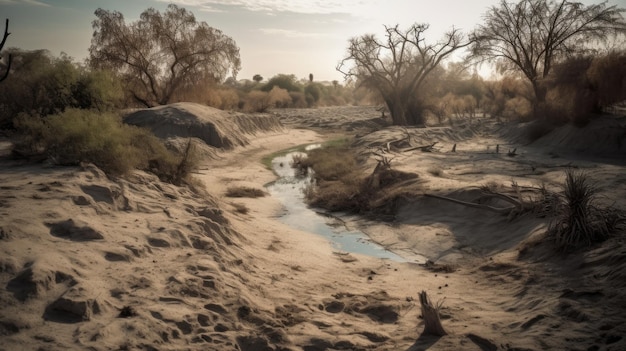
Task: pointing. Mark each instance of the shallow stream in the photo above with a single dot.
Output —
(289, 189)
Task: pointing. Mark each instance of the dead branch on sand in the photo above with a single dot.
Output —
(542, 203)
(500, 210)
(430, 314)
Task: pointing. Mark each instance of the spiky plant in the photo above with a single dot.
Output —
(580, 222)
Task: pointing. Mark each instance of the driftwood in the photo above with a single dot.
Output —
(430, 314)
(512, 153)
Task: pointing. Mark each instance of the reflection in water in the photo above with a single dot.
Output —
(289, 189)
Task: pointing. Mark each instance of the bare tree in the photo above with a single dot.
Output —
(532, 35)
(4, 39)
(160, 53)
(397, 66)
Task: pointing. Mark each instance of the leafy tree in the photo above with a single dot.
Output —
(397, 66)
(161, 53)
(284, 81)
(257, 78)
(4, 39)
(532, 35)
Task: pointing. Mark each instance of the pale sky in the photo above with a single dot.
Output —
(274, 36)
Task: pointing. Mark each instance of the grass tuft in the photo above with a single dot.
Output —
(244, 191)
(581, 223)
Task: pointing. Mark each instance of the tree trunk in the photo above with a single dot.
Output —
(540, 91)
(398, 111)
(430, 314)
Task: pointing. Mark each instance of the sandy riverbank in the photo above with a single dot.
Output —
(189, 271)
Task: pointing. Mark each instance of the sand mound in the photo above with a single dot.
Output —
(217, 128)
(92, 262)
(604, 135)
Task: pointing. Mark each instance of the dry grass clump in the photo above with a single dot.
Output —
(244, 191)
(331, 163)
(340, 185)
(581, 223)
(76, 136)
(240, 208)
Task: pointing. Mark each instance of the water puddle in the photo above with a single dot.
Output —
(289, 189)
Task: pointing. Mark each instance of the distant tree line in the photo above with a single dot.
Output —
(543, 50)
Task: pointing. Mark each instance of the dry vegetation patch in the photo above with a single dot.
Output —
(582, 222)
(340, 185)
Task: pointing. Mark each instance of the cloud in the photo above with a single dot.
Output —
(297, 6)
(24, 2)
(290, 33)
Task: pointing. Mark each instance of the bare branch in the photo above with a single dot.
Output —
(532, 35)
(397, 66)
(10, 58)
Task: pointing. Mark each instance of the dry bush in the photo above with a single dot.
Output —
(224, 99)
(581, 223)
(240, 208)
(340, 186)
(569, 97)
(498, 95)
(279, 97)
(582, 86)
(436, 171)
(330, 163)
(261, 101)
(298, 100)
(244, 191)
(463, 106)
(608, 75)
(517, 108)
(257, 101)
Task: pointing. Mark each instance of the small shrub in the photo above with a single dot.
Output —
(436, 171)
(581, 223)
(224, 99)
(257, 101)
(279, 97)
(244, 191)
(298, 100)
(240, 208)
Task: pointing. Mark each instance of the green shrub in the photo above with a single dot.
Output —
(41, 85)
(76, 136)
(313, 93)
(340, 185)
(283, 81)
